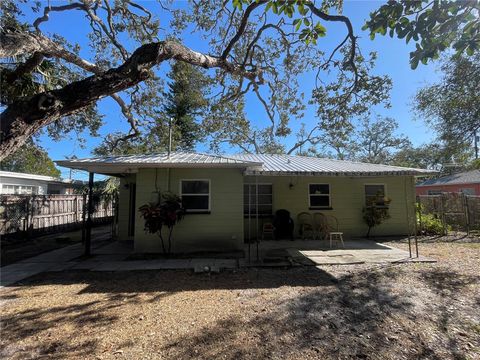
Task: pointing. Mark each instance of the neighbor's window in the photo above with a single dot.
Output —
(264, 201)
(434, 192)
(319, 196)
(375, 195)
(195, 195)
(19, 189)
(468, 191)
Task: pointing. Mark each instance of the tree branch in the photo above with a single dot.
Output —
(350, 35)
(28, 66)
(48, 9)
(242, 26)
(23, 118)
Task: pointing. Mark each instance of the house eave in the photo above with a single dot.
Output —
(334, 174)
(131, 168)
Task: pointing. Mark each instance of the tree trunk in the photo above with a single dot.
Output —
(163, 243)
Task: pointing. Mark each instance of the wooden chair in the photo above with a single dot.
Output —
(305, 223)
(320, 226)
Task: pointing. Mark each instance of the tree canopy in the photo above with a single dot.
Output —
(256, 48)
(452, 106)
(30, 159)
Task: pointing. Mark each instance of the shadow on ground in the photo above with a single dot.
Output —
(296, 313)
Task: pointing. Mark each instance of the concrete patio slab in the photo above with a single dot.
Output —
(113, 257)
(355, 252)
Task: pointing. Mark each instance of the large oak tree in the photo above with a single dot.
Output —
(253, 47)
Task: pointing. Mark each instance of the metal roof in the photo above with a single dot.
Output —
(304, 165)
(468, 177)
(253, 164)
(130, 163)
(17, 175)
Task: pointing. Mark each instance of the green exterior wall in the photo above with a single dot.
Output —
(220, 230)
(347, 201)
(224, 228)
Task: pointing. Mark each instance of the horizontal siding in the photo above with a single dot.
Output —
(347, 200)
(221, 230)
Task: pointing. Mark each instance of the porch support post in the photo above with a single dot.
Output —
(256, 215)
(88, 233)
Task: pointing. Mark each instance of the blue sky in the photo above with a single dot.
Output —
(393, 56)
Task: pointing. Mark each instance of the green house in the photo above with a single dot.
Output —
(229, 197)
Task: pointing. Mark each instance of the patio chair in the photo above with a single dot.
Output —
(305, 222)
(283, 225)
(320, 225)
(333, 233)
(268, 230)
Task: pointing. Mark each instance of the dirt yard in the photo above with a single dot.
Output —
(407, 311)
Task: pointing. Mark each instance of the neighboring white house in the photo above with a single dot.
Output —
(20, 183)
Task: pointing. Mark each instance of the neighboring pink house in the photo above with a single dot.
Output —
(467, 182)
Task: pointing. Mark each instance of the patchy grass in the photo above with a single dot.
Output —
(402, 311)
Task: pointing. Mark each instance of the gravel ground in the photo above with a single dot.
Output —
(403, 311)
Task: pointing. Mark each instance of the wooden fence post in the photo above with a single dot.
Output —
(30, 214)
(467, 214)
(444, 220)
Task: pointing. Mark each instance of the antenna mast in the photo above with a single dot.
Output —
(170, 121)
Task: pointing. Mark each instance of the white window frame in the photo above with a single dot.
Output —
(19, 189)
(209, 195)
(258, 184)
(374, 184)
(329, 196)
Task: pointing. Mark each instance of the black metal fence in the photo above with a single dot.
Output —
(37, 214)
(458, 211)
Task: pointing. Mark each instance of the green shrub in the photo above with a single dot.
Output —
(429, 224)
(374, 215)
(164, 214)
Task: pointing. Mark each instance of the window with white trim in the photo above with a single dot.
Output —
(19, 189)
(264, 201)
(195, 195)
(434, 192)
(375, 195)
(319, 196)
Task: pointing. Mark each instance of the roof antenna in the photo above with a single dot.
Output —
(170, 136)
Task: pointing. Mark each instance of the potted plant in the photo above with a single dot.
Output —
(376, 212)
(165, 213)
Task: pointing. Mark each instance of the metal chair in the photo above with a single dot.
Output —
(305, 223)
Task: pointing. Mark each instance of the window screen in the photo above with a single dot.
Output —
(195, 195)
(319, 195)
(375, 194)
